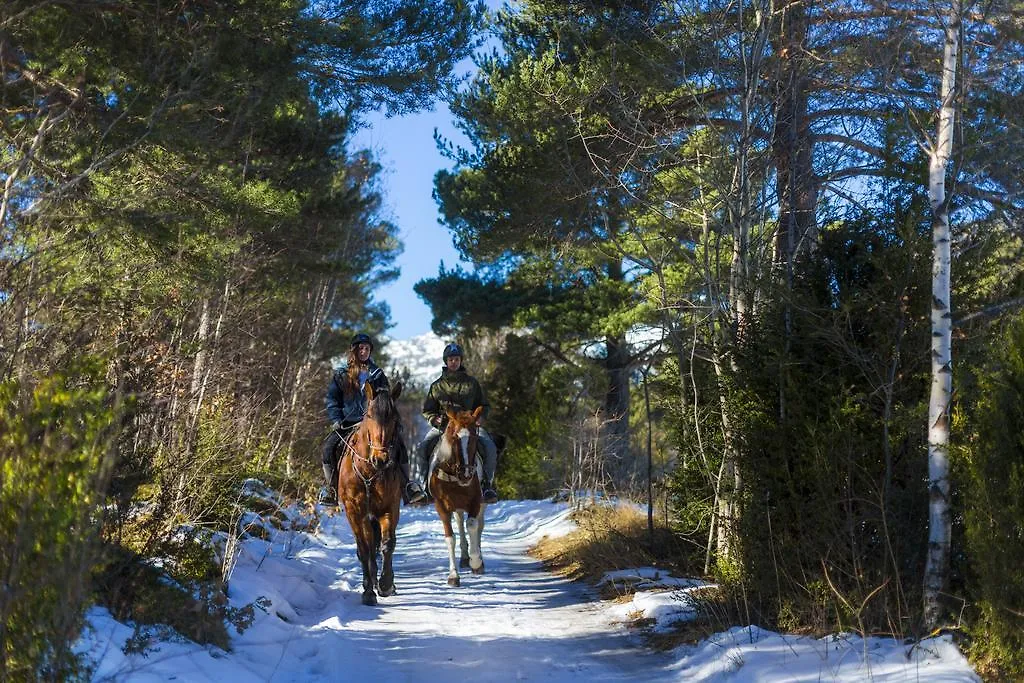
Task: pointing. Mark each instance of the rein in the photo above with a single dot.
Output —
(378, 471)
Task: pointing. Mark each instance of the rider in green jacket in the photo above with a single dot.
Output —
(454, 390)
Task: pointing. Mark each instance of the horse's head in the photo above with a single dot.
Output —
(460, 436)
(380, 424)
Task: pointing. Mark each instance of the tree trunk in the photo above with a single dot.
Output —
(650, 461)
(729, 482)
(796, 183)
(323, 300)
(615, 417)
(936, 574)
(616, 406)
(741, 216)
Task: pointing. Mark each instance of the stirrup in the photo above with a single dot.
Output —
(490, 496)
(415, 493)
(327, 496)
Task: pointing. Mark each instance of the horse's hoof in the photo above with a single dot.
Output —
(454, 582)
(387, 592)
(464, 563)
(369, 598)
(479, 570)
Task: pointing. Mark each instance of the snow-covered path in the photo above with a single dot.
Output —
(516, 622)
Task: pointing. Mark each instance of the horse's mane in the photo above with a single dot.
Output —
(382, 407)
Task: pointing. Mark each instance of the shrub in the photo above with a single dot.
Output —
(54, 461)
(994, 505)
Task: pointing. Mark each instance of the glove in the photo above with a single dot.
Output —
(437, 422)
(335, 426)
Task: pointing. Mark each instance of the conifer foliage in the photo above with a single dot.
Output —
(182, 209)
(726, 205)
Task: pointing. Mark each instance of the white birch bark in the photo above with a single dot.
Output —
(199, 363)
(937, 566)
(730, 483)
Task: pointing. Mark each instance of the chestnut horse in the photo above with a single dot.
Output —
(370, 489)
(455, 485)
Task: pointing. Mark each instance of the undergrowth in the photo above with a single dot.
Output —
(611, 538)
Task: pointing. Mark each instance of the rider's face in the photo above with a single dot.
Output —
(453, 363)
(363, 352)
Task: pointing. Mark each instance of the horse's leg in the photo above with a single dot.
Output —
(388, 526)
(365, 551)
(449, 539)
(475, 527)
(460, 519)
(375, 549)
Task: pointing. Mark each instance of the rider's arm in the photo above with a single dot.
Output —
(480, 399)
(432, 411)
(334, 400)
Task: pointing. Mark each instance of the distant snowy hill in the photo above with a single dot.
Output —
(420, 355)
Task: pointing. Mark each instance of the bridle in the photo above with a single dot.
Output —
(465, 468)
(377, 466)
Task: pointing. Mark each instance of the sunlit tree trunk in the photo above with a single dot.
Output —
(742, 217)
(323, 300)
(937, 567)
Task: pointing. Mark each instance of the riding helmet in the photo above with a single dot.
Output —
(452, 349)
(362, 339)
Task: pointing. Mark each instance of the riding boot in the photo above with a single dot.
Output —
(490, 495)
(490, 462)
(412, 492)
(329, 494)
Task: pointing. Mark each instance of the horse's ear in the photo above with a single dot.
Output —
(368, 390)
(476, 413)
(396, 390)
(451, 415)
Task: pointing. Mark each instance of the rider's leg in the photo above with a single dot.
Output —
(490, 464)
(329, 494)
(423, 452)
(412, 491)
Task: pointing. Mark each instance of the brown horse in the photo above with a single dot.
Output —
(455, 486)
(369, 487)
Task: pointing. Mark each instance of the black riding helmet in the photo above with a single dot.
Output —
(362, 339)
(452, 349)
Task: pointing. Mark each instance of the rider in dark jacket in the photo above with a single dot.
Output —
(456, 389)
(346, 406)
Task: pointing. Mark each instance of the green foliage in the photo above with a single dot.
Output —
(523, 475)
(826, 411)
(993, 498)
(54, 459)
(523, 410)
(467, 302)
(204, 482)
(181, 199)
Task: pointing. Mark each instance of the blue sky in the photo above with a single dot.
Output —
(405, 148)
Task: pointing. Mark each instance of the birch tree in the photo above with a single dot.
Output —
(939, 152)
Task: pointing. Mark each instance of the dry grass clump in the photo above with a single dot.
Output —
(610, 538)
